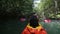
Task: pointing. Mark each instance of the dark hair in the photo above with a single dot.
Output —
(34, 21)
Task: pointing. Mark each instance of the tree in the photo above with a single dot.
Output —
(15, 7)
(48, 7)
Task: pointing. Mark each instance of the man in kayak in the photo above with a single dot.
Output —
(34, 27)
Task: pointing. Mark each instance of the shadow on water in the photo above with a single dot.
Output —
(11, 25)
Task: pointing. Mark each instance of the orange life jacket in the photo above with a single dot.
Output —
(31, 30)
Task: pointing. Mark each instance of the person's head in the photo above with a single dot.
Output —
(34, 21)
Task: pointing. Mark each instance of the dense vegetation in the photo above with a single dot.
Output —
(49, 9)
(15, 7)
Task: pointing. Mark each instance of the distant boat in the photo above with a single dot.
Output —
(47, 20)
(22, 19)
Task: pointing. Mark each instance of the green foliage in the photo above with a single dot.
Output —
(48, 8)
(15, 7)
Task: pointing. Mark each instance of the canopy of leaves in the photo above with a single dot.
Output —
(15, 7)
(48, 8)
